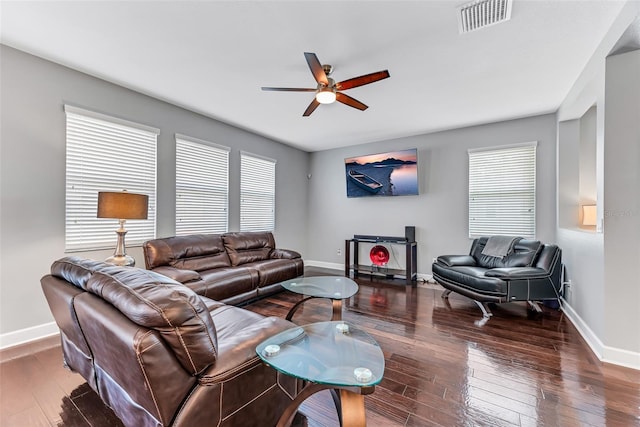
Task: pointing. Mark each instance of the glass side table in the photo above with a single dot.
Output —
(335, 288)
(327, 355)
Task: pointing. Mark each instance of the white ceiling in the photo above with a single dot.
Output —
(212, 57)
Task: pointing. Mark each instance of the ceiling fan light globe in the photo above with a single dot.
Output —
(326, 96)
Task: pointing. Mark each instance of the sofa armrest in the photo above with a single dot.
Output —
(513, 273)
(284, 254)
(182, 276)
(457, 260)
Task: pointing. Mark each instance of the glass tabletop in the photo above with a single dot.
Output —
(335, 287)
(334, 353)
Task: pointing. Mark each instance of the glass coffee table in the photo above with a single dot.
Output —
(327, 355)
(335, 288)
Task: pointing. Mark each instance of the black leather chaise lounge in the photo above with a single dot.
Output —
(502, 269)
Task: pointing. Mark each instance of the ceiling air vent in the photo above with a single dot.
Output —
(482, 13)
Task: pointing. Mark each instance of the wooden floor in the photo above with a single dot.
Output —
(441, 369)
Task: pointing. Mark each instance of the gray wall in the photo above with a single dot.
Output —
(440, 212)
(603, 300)
(622, 201)
(582, 249)
(32, 184)
(587, 154)
(569, 173)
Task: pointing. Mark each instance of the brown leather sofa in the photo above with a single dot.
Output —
(159, 354)
(232, 268)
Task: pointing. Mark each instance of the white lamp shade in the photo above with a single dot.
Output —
(589, 215)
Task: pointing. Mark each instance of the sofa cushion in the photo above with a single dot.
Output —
(245, 247)
(182, 276)
(239, 332)
(471, 278)
(272, 271)
(457, 260)
(222, 283)
(514, 273)
(156, 302)
(195, 252)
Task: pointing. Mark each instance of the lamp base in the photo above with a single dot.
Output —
(124, 260)
(120, 256)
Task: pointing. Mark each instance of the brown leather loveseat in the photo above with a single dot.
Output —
(232, 268)
(158, 354)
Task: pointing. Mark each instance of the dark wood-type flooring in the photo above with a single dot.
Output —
(519, 369)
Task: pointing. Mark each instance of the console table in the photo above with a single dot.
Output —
(409, 273)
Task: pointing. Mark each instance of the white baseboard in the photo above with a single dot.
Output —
(587, 334)
(322, 264)
(604, 353)
(26, 335)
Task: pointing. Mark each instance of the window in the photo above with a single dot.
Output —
(106, 154)
(257, 193)
(202, 186)
(502, 191)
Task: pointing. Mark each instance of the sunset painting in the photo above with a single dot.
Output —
(385, 174)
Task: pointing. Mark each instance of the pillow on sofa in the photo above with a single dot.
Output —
(157, 302)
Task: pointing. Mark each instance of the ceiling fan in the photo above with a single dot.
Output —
(328, 90)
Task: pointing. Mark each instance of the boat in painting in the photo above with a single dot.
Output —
(364, 181)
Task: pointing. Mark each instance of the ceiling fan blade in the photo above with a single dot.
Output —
(311, 108)
(316, 68)
(362, 80)
(289, 89)
(351, 102)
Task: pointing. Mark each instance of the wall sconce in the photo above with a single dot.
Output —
(122, 206)
(589, 215)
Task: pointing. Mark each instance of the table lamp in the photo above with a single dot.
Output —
(589, 215)
(122, 206)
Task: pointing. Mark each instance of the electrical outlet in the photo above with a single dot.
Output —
(435, 259)
(567, 290)
(339, 252)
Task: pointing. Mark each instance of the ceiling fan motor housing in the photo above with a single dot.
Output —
(332, 84)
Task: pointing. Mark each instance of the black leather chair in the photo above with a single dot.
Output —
(530, 271)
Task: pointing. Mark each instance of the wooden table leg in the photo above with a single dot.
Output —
(287, 417)
(352, 408)
(296, 307)
(337, 309)
(350, 405)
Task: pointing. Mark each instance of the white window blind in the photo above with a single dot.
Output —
(202, 186)
(502, 191)
(257, 193)
(106, 154)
